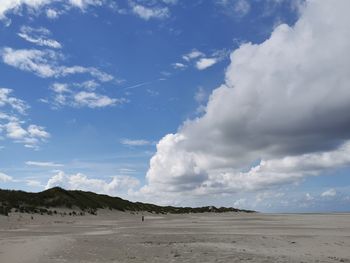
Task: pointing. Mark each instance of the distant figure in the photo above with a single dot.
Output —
(143, 218)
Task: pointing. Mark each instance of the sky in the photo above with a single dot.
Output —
(189, 103)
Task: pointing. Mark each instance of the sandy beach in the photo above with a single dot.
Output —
(122, 237)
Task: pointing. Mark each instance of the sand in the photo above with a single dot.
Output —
(122, 237)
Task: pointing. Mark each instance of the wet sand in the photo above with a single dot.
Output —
(122, 237)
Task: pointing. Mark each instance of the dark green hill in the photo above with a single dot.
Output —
(86, 201)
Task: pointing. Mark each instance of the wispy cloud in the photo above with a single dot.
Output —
(45, 64)
(94, 72)
(147, 13)
(204, 63)
(30, 136)
(242, 7)
(40, 62)
(236, 8)
(80, 95)
(194, 54)
(38, 36)
(13, 127)
(15, 103)
(38, 6)
(208, 61)
(200, 60)
(179, 65)
(94, 100)
(43, 164)
(88, 84)
(54, 8)
(139, 142)
(329, 193)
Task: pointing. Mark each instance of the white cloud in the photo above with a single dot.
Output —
(11, 5)
(83, 4)
(178, 65)
(33, 60)
(14, 6)
(14, 103)
(60, 87)
(238, 8)
(147, 13)
(194, 54)
(182, 170)
(5, 178)
(242, 7)
(93, 100)
(30, 136)
(117, 185)
(204, 63)
(13, 127)
(52, 13)
(101, 76)
(38, 36)
(45, 64)
(43, 164)
(89, 84)
(55, 8)
(329, 193)
(135, 142)
(281, 115)
(15, 131)
(38, 131)
(64, 95)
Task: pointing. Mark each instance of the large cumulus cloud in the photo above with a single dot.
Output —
(283, 113)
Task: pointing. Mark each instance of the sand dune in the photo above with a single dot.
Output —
(122, 237)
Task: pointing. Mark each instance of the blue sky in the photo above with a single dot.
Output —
(223, 102)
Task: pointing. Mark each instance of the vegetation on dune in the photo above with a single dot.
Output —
(86, 202)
